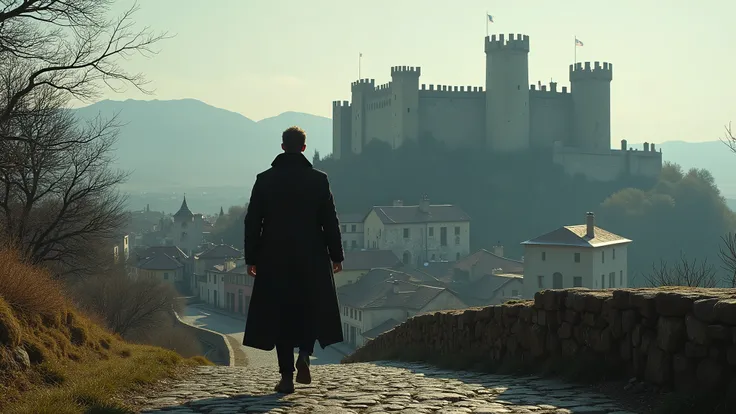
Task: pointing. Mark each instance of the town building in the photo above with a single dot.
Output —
(238, 288)
(384, 298)
(359, 262)
(351, 227)
(510, 115)
(575, 256)
(187, 230)
(164, 263)
(419, 233)
(211, 256)
(482, 278)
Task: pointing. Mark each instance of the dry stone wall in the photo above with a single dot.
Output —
(681, 337)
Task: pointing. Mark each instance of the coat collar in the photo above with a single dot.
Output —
(291, 160)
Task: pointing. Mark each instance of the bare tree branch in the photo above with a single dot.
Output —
(729, 139)
(70, 46)
(58, 192)
(683, 273)
(727, 254)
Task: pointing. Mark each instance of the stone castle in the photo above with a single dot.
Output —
(506, 116)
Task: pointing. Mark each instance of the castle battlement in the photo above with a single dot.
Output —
(409, 70)
(363, 83)
(544, 91)
(451, 91)
(341, 104)
(497, 43)
(580, 71)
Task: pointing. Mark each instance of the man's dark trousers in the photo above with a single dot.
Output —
(285, 355)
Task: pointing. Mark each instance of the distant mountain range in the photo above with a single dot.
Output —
(186, 145)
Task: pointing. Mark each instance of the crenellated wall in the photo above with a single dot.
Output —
(608, 165)
(681, 337)
(454, 115)
(550, 115)
(342, 114)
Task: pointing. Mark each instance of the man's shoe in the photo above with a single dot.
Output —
(285, 386)
(303, 376)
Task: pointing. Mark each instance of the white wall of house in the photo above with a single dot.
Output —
(353, 237)
(415, 243)
(560, 267)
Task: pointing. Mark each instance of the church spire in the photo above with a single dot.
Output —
(184, 211)
(222, 213)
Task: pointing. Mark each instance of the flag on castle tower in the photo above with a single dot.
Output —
(490, 18)
(578, 42)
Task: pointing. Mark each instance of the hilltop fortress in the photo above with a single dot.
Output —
(507, 116)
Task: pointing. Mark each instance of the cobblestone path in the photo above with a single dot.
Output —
(371, 388)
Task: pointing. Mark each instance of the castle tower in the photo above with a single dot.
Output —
(342, 115)
(405, 88)
(507, 93)
(591, 105)
(361, 90)
(183, 220)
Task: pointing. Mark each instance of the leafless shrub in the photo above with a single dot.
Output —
(683, 273)
(727, 254)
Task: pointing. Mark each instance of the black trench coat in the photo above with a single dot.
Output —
(292, 236)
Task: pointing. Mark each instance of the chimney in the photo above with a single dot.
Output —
(590, 225)
(498, 249)
(424, 204)
(398, 203)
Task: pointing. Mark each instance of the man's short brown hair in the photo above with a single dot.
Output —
(294, 139)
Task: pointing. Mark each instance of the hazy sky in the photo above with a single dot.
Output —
(673, 60)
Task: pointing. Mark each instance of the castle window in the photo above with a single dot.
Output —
(407, 110)
(518, 87)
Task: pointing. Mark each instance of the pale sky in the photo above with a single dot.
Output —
(673, 60)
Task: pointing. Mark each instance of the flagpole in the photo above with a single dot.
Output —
(575, 45)
(487, 23)
(360, 61)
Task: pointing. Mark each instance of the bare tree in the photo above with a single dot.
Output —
(683, 273)
(730, 139)
(727, 254)
(58, 197)
(70, 46)
(131, 307)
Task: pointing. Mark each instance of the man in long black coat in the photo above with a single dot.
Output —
(292, 247)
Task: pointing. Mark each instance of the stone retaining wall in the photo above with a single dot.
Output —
(217, 348)
(682, 337)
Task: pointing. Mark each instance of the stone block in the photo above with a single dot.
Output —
(718, 333)
(565, 330)
(697, 331)
(629, 319)
(673, 304)
(726, 311)
(704, 309)
(659, 366)
(709, 373)
(671, 333)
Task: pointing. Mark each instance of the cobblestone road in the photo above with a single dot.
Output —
(371, 388)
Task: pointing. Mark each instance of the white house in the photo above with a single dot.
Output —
(384, 298)
(212, 291)
(575, 256)
(419, 233)
(351, 227)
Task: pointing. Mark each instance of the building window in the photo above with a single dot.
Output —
(457, 230)
(540, 282)
(431, 232)
(352, 313)
(353, 228)
(457, 256)
(621, 278)
(360, 315)
(614, 255)
(577, 257)
(603, 257)
(166, 276)
(406, 233)
(612, 280)
(443, 236)
(433, 256)
(344, 228)
(577, 281)
(544, 256)
(354, 244)
(557, 280)
(603, 281)
(344, 244)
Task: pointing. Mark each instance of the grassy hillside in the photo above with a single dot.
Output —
(54, 359)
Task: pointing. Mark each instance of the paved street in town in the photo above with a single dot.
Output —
(234, 328)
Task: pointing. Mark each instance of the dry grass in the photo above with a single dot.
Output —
(76, 366)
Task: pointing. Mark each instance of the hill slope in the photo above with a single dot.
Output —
(186, 143)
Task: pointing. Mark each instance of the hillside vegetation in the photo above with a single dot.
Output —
(55, 359)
